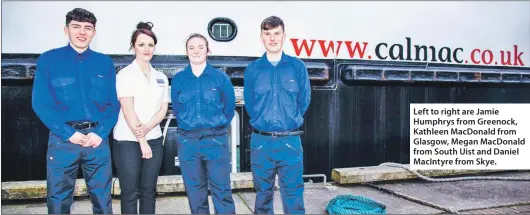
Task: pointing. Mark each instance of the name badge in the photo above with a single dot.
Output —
(160, 81)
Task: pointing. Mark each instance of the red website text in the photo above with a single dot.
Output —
(409, 52)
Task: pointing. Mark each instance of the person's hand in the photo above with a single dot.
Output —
(141, 130)
(146, 150)
(93, 140)
(78, 138)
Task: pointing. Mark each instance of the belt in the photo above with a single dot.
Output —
(279, 133)
(203, 132)
(82, 124)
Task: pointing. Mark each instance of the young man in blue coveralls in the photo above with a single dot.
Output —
(74, 95)
(277, 94)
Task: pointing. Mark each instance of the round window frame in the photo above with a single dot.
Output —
(225, 20)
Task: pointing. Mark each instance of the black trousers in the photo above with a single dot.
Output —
(137, 176)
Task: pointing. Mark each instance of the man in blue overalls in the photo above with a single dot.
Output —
(74, 95)
(277, 94)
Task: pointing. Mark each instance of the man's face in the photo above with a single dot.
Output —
(273, 39)
(80, 34)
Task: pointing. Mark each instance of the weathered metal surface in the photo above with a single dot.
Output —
(373, 117)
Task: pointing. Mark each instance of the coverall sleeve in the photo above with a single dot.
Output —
(110, 115)
(304, 96)
(248, 91)
(44, 103)
(228, 97)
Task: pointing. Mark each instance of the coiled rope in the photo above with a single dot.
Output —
(349, 204)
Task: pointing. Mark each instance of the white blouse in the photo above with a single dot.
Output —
(148, 97)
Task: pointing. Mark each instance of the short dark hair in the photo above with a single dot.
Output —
(81, 15)
(197, 35)
(143, 28)
(272, 22)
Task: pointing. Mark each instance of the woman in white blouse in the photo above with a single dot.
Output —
(143, 95)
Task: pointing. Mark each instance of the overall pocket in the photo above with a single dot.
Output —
(212, 96)
(183, 100)
(262, 87)
(99, 92)
(293, 148)
(64, 88)
(290, 88)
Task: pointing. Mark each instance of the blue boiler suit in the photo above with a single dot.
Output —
(204, 107)
(276, 99)
(76, 92)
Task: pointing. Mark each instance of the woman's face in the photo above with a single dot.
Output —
(197, 50)
(144, 47)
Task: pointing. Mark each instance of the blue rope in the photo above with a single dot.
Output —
(349, 204)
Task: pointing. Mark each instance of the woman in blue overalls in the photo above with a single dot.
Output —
(203, 102)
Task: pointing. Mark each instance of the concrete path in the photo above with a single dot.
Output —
(462, 195)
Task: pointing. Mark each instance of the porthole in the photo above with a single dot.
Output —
(222, 29)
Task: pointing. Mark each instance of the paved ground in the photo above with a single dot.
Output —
(462, 196)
